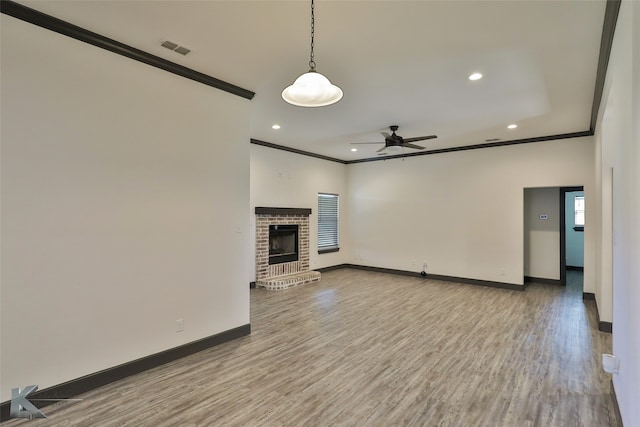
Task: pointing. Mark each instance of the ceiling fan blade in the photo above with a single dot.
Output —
(381, 142)
(419, 138)
(417, 147)
(382, 149)
(385, 134)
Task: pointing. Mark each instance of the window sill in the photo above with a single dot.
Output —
(328, 250)
(578, 228)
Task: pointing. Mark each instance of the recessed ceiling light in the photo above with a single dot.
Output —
(512, 126)
(276, 127)
(354, 149)
(475, 76)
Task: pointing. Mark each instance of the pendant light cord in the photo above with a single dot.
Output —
(312, 63)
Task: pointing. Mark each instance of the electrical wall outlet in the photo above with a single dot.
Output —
(610, 363)
(179, 325)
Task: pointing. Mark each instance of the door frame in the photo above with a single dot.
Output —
(563, 231)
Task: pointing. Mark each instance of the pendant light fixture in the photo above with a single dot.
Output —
(312, 89)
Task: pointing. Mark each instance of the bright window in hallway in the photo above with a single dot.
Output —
(328, 222)
(578, 207)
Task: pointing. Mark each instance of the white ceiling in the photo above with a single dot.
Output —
(398, 62)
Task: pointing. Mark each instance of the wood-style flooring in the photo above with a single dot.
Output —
(362, 348)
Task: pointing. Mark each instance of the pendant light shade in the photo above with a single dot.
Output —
(312, 89)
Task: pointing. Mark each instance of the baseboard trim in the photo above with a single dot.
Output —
(616, 407)
(107, 376)
(333, 267)
(383, 270)
(476, 282)
(605, 326)
(602, 326)
(529, 279)
(464, 280)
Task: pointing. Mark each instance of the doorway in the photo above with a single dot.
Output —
(571, 230)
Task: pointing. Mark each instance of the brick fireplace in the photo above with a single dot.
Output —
(282, 275)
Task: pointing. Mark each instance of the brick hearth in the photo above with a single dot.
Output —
(287, 274)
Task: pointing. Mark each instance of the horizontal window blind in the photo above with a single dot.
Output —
(327, 221)
(579, 210)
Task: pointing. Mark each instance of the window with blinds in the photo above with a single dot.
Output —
(578, 207)
(327, 222)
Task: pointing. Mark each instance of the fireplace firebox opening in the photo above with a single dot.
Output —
(283, 243)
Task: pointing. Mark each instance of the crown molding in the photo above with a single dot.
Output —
(606, 42)
(65, 28)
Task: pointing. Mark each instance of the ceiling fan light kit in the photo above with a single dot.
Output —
(312, 89)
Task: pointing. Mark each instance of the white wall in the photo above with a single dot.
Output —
(618, 137)
(460, 212)
(542, 237)
(283, 179)
(123, 191)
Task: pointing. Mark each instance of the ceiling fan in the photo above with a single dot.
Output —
(394, 140)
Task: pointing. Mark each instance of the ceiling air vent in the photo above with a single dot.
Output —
(182, 50)
(175, 47)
